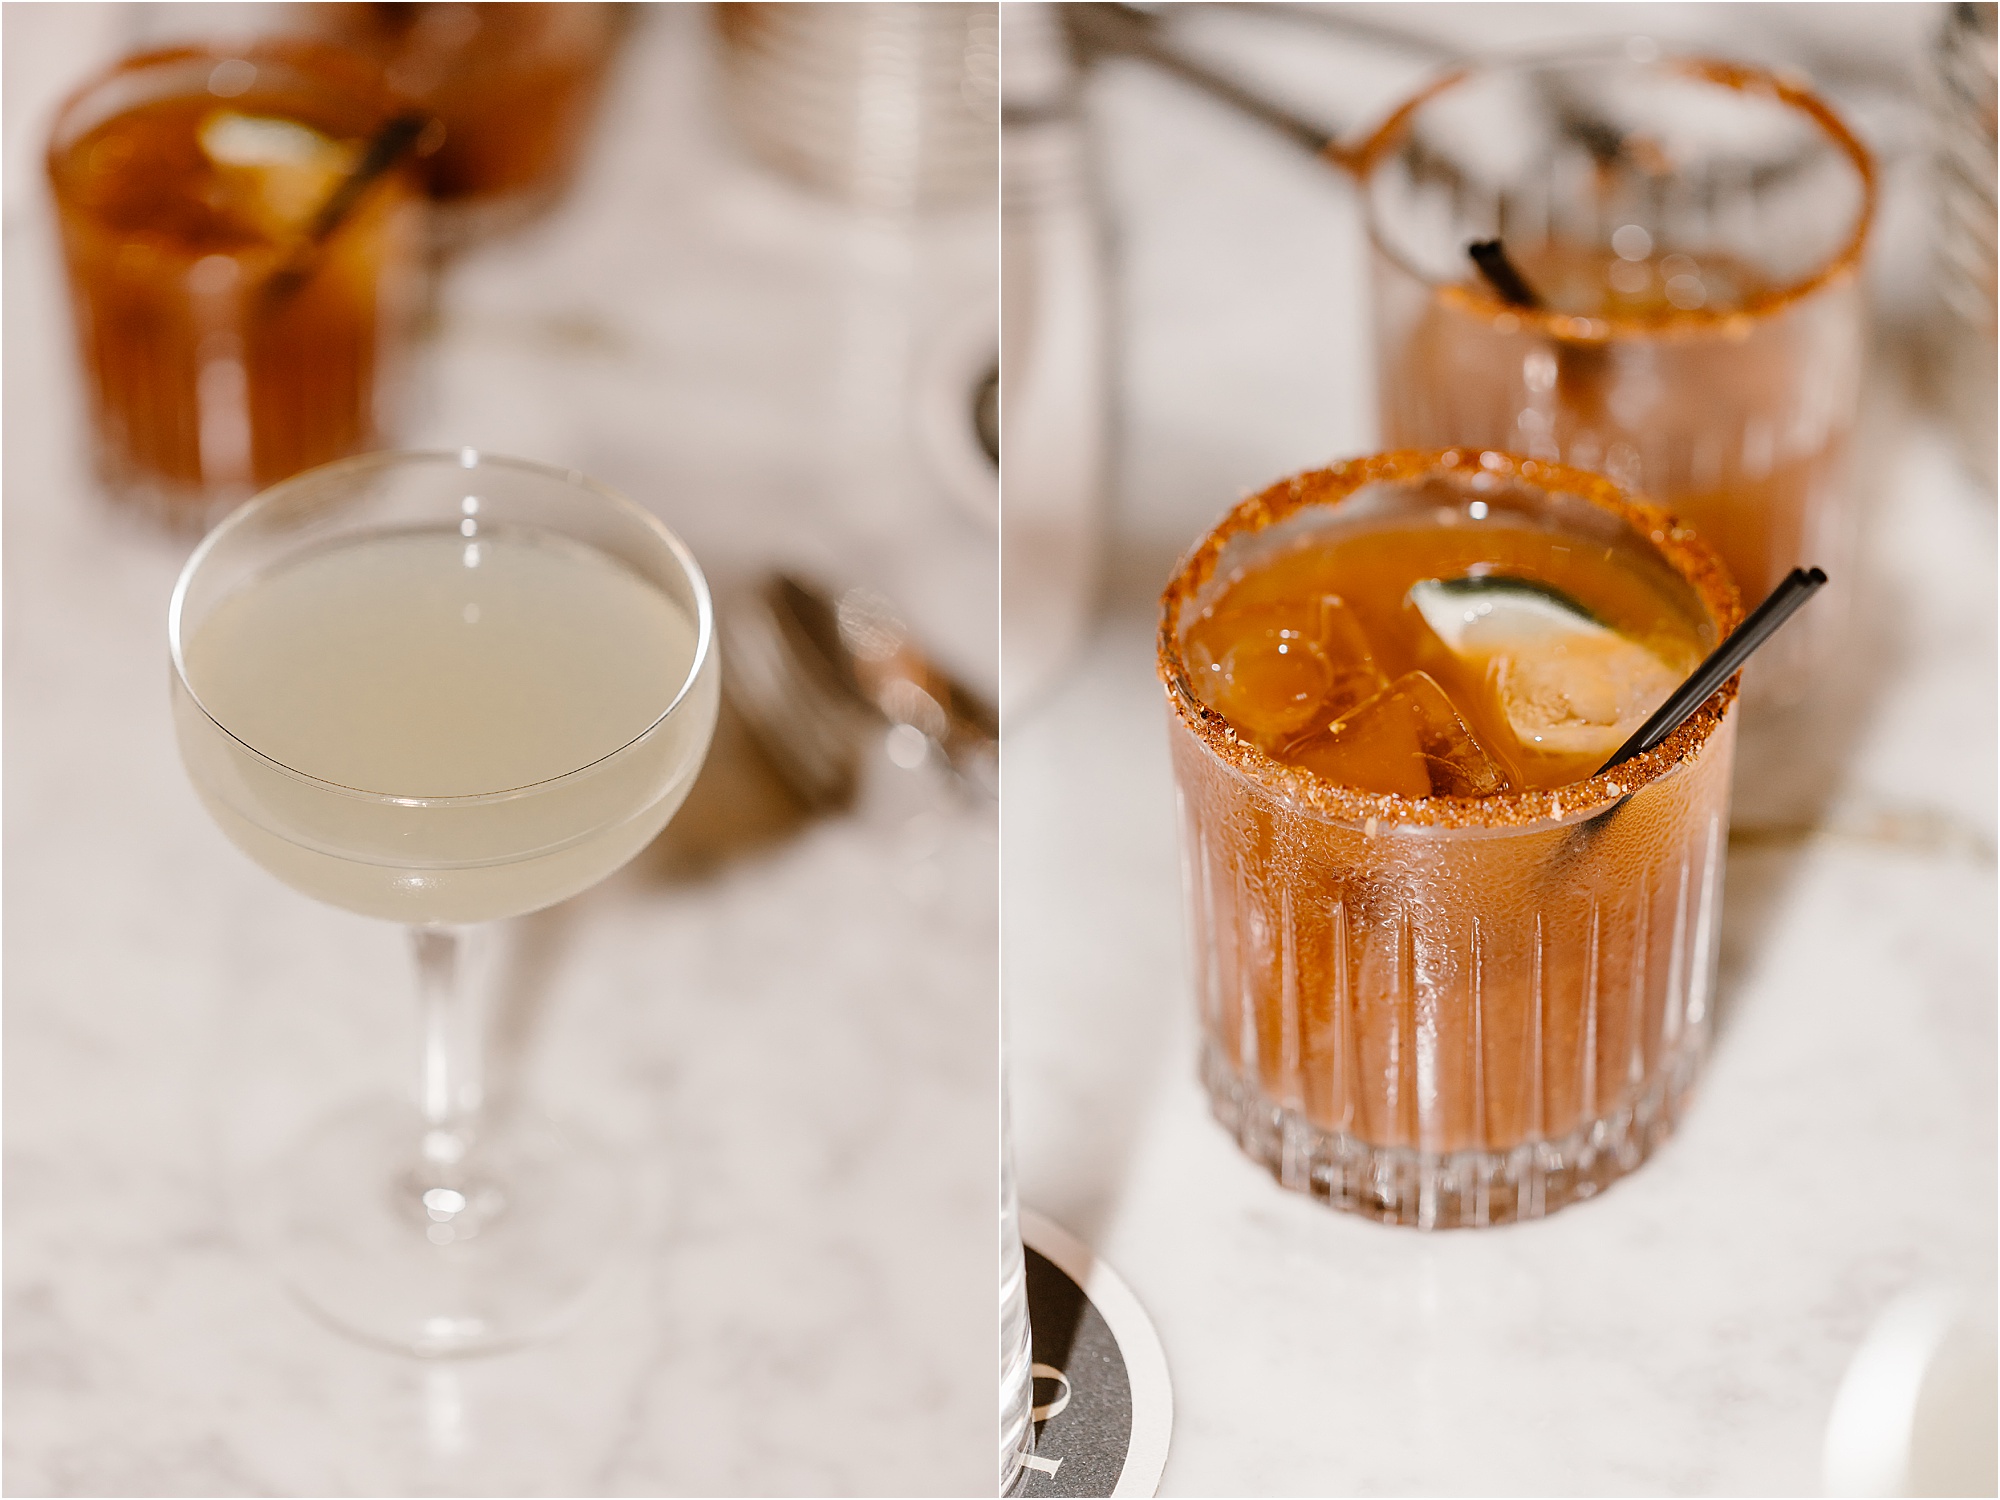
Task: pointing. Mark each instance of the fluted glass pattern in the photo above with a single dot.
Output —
(1452, 1026)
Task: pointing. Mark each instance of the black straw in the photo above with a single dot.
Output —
(1722, 664)
(1501, 274)
(386, 147)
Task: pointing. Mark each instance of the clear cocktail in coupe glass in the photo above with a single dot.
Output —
(442, 689)
(1449, 973)
(1692, 233)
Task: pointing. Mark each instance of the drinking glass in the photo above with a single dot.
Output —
(225, 343)
(1965, 170)
(1694, 231)
(1453, 1010)
(442, 689)
(889, 106)
(516, 86)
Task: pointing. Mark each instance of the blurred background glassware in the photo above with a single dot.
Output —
(442, 689)
(956, 410)
(1055, 368)
(886, 106)
(1695, 232)
(1916, 1410)
(1967, 164)
(819, 679)
(515, 85)
(225, 340)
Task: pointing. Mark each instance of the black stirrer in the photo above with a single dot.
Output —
(1722, 663)
(1501, 273)
(385, 148)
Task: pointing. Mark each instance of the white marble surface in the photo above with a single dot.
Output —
(1684, 1333)
(786, 1023)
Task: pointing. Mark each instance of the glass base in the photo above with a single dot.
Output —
(1017, 1400)
(500, 1249)
(1452, 1190)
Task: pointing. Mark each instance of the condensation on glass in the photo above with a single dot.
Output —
(1695, 232)
(1454, 1010)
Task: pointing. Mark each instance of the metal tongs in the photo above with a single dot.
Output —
(1110, 28)
(819, 680)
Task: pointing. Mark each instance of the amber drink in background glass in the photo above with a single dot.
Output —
(1448, 973)
(1693, 232)
(515, 85)
(224, 346)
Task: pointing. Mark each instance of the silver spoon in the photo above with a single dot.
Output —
(818, 680)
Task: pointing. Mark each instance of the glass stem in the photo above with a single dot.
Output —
(450, 1087)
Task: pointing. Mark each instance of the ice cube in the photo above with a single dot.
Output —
(1407, 740)
(1356, 677)
(1273, 670)
(1567, 683)
(276, 173)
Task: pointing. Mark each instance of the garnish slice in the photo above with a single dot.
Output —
(277, 172)
(1567, 683)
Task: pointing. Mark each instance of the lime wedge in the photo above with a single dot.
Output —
(1567, 683)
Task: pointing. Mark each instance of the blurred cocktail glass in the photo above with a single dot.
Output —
(442, 689)
(1448, 971)
(515, 87)
(230, 334)
(1965, 169)
(1691, 233)
(887, 106)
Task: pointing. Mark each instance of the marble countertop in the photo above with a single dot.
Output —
(786, 1022)
(1685, 1332)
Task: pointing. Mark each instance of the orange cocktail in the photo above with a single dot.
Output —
(1692, 235)
(226, 341)
(1447, 972)
(515, 85)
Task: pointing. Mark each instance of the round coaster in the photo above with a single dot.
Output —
(1104, 1407)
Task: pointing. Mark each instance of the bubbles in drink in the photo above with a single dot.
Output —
(1407, 740)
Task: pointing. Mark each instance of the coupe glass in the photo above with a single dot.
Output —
(442, 1227)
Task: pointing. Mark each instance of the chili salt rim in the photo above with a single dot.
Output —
(1690, 557)
(1843, 264)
